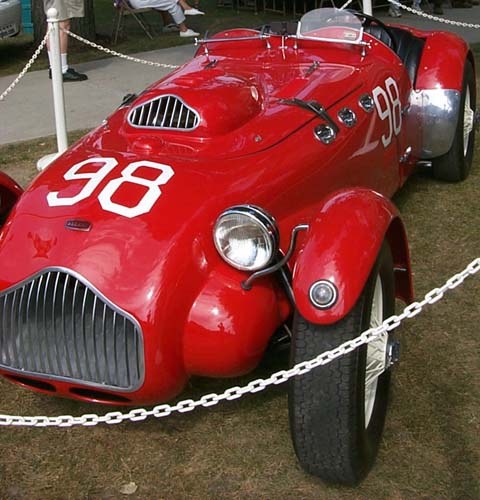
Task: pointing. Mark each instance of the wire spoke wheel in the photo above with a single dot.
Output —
(376, 352)
(337, 411)
(455, 165)
(468, 117)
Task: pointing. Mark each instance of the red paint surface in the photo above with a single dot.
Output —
(162, 268)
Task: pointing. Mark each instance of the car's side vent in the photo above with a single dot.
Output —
(164, 112)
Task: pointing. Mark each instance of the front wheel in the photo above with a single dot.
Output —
(337, 411)
(455, 165)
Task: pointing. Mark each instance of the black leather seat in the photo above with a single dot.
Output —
(409, 47)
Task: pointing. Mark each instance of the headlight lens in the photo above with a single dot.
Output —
(246, 237)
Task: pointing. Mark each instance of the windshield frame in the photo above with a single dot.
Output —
(323, 12)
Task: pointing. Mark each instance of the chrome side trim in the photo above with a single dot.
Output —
(435, 113)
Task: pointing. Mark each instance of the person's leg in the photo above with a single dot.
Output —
(394, 11)
(189, 11)
(437, 7)
(168, 25)
(69, 74)
(64, 25)
(178, 16)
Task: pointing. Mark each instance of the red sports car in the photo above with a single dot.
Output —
(245, 194)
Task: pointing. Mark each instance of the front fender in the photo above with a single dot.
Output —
(341, 246)
(10, 191)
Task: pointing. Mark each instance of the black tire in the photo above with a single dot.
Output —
(455, 165)
(327, 405)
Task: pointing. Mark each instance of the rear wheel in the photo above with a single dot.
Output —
(455, 165)
(337, 411)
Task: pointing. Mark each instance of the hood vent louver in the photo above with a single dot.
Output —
(167, 112)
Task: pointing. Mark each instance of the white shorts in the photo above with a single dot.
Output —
(66, 8)
(171, 6)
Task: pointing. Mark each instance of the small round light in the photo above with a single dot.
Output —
(325, 134)
(323, 294)
(347, 117)
(246, 237)
(366, 103)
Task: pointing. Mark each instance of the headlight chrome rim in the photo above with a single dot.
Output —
(260, 218)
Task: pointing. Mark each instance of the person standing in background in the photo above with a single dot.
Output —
(67, 9)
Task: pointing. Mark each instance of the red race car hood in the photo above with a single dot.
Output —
(131, 208)
(232, 109)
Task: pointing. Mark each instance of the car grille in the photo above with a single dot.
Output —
(165, 112)
(57, 326)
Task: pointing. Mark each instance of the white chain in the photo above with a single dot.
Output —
(434, 18)
(257, 385)
(27, 66)
(118, 54)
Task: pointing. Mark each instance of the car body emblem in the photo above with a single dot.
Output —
(78, 225)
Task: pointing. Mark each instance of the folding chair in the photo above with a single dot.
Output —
(124, 9)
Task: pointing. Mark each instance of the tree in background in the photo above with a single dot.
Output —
(84, 26)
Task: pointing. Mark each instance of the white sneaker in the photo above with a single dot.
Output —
(193, 12)
(394, 11)
(189, 32)
(416, 6)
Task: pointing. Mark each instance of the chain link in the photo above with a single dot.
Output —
(118, 54)
(27, 66)
(164, 410)
(433, 18)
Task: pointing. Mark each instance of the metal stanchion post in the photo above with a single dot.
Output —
(57, 89)
(57, 80)
(367, 7)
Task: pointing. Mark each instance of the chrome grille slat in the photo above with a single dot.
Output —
(44, 337)
(36, 305)
(57, 326)
(55, 329)
(164, 112)
(19, 322)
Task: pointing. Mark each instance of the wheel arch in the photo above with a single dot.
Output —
(341, 246)
(10, 191)
(434, 106)
(442, 62)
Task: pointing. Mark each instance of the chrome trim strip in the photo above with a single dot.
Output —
(435, 112)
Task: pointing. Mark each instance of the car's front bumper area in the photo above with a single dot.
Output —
(56, 326)
(60, 335)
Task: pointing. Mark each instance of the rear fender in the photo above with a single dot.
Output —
(341, 246)
(10, 191)
(434, 105)
(442, 62)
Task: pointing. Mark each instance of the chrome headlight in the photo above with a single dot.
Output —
(246, 237)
